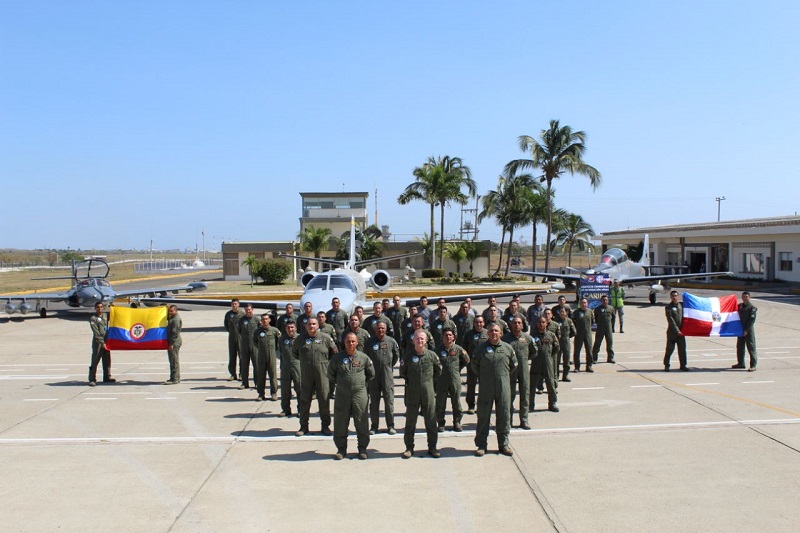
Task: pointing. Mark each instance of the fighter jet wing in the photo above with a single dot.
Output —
(657, 279)
(50, 297)
(219, 302)
(195, 286)
(565, 277)
(478, 295)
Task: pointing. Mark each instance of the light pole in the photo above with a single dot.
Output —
(719, 203)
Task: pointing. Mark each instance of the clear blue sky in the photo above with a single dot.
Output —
(126, 121)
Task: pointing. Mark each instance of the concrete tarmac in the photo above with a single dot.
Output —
(634, 448)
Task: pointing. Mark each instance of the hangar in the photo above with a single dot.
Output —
(758, 248)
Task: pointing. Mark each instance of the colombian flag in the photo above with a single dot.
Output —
(711, 317)
(137, 329)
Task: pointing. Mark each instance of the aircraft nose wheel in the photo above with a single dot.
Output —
(43, 312)
(652, 297)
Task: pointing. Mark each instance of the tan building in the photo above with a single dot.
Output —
(333, 210)
(759, 248)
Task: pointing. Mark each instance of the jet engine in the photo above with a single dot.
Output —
(24, 308)
(381, 280)
(10, 308)
(307, 277)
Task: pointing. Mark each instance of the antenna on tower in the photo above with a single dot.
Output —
(376, 206)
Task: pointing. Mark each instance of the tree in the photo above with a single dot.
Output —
(558, 150)
(316, 240)
(535, 205)
(473, 250)
(455, 251)
(572, 231)
(426, 243)
(439, 181)
(505, 205)
(251, 263)
(369, 244)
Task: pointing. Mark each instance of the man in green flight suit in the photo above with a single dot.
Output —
(231, 322)
(174, 325)
(266, 341)
(493, 363)
(420, 368)
(603, 315)
(290, 370)
(350, 371)
(453, 359)
(545, 344)
(248, 325)
(747, 315)
(674, 312)
(314, 350)
(583, 318)
(99, 326)
(522, 343)
(384, 352)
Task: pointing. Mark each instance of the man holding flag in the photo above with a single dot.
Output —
(174, 325)
(674, 312)
(747, 316)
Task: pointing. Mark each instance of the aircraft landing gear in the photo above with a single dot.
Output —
(43, 312)
(652, 298)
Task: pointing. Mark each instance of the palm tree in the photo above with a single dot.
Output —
(251, 262)
(369, 243)
(439, 182)
(473, 250)
(455, 251)
(316, 240)
(572, 231)
(505, 205)
(427, 244)
(558, 150)
(535, 205)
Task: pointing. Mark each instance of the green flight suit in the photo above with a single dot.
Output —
(329, 330)
(231, 322)
(508, 317)
(472, 339)
(493, 364)
(674, 313)
(420, 372)
(583, 320)
(520, 376)
(449, 382)
(99, 325)
(372, 320)
(747, 315)
(266, 341)
(350, 374)
(602, 317)
(464, 323)
(397, 316)
(247, 351)
(337, 319)
(290, 374)
(566, 333)
(545, 344)
(384, 354)
(438, 326)
(407, 344)
(174, 325)
(314, 354)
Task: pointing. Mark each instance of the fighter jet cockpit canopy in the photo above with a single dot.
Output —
(613, 257)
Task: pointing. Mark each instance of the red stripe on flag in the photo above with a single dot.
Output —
(691, 327)
(115, 345)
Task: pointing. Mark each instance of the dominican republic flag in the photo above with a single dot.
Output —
(137, 329)
(711, 317)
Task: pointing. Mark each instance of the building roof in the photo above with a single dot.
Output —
(332, 194)
(726, 225)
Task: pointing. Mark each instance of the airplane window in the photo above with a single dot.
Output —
(613, 257)
(318, 282)
(342, 282)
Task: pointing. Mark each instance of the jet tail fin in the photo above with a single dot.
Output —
(646, 251)
(351, 261)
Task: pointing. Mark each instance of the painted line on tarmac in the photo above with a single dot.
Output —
(452, 435)
(40, 400)
(9, 378)
(13, 370)
(57, 369)
(752, 382)
(118, 393)
(700, 384)
(587, 388)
